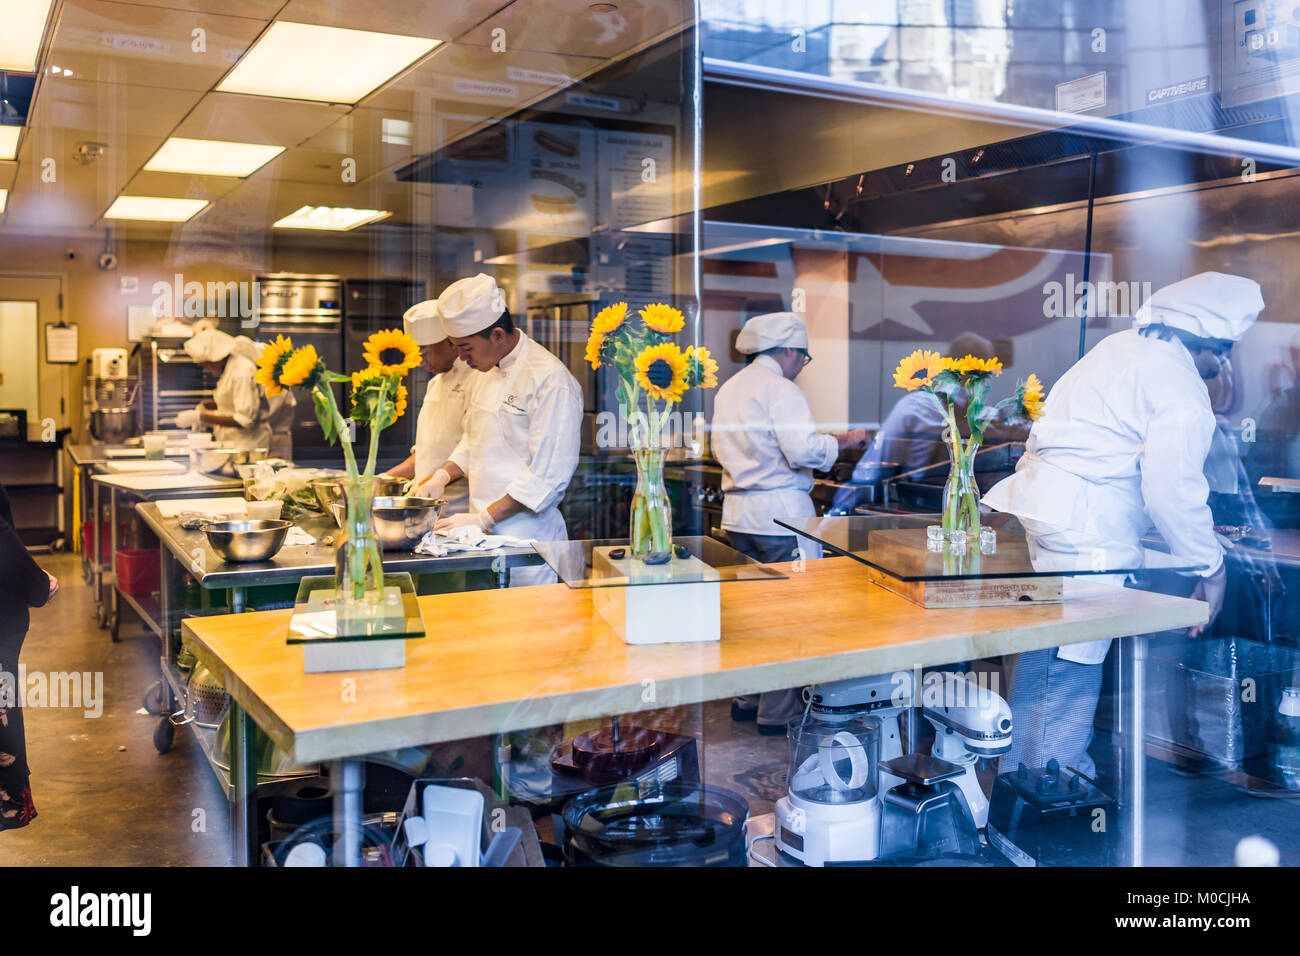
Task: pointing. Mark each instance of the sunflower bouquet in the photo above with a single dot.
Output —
(378, 397)
(652, 369)
(945, 380)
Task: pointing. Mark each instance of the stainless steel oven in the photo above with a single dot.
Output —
(309, 310)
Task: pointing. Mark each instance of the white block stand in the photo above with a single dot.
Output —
(671, 612)
(355, 654)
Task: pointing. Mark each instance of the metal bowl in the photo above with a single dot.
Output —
(330, 491)
(387, 486)
(210, 460)
(400, 523)
(249, 455)
(247, 540)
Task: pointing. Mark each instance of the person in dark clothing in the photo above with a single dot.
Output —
(23, 585)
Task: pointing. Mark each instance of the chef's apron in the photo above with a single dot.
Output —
(258, 432)
(494, 427)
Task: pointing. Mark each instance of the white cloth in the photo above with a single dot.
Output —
(522, 435)
(1210, 305)
(442, 418)
(468, 306)
(774, 330)
(422, 323)
(1121, 447)
(209, 345)
(768, 444)
(440, 544)
(238, 395)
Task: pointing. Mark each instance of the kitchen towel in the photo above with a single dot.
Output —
(439, 544)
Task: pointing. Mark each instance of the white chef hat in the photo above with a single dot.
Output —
(469, 306)
(775, 330)
(422, 323)
(209, 345)
(1210, 305)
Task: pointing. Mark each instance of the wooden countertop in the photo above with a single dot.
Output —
(503, 660)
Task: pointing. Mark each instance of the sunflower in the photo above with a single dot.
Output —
(661, 371)
(970, 364)
(595, 342)
(609, 318)
(392, 351)
(918, 370)
(400, 401)
(270, 363)
(704, 370)
(663, 318)
(303, 367)
(1031, 397)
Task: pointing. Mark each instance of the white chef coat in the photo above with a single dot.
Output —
(280, 414)
(238, 395)
(768, 444)
(441, 423)
(1121, 447)
(522, 435)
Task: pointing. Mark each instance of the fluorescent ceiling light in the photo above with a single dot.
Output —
(211, 157)
(331, 218)
(302, 61)
(4, 199)
(20, 40)
(9, 141)
(154, 208)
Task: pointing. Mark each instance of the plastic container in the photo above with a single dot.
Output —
(105, 538)
(137, 572)
(1218, 698)
(1286, 739)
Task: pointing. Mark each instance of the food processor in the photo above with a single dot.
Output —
(831, 813)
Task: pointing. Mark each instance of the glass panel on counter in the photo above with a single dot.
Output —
(612, 563)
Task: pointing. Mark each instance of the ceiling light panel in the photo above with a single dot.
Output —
(9, 141)
(20, 40)
(154, 208)
(302, 61)
(330, 218)
(211, 157)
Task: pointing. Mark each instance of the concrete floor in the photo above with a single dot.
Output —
(105, 797)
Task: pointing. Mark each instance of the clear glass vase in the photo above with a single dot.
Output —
(652, 512)
(961, 495)
(358, 568)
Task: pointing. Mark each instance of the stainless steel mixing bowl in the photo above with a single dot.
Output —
(400, 523)
(330, 492)
(247, 540)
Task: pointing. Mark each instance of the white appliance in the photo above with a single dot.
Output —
(108, 364)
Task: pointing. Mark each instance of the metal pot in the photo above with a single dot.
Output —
(112, 425)
(247, 540)
(400, 523)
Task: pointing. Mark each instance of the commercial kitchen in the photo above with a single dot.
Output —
(649, 433)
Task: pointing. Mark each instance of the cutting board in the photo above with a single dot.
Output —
(145, 468)
(171, 507)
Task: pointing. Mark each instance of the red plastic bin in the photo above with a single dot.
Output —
(138, 572)
(105, 535)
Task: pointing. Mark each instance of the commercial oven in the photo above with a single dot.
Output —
(309, 310)
(368, 306)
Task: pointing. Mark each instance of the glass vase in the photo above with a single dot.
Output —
(961, 495)
(652, 513)
(358, 568)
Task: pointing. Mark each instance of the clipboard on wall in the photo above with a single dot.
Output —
(60, 344)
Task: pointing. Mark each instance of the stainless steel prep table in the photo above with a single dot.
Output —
(138, 487)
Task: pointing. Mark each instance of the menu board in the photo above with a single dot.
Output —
(636, 177)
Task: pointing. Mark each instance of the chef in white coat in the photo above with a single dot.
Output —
(521, 441)
(766, 440)
(441, 423)
(1121, 447)
(238, 411)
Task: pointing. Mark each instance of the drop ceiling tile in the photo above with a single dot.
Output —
(8, 170)
(148, 46)
(257, 9)
(552, 27)
(110, 107)
(148, 183)
(436, 19)
(257, 119)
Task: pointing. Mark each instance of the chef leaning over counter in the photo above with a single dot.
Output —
(1121, 447)
(441, 422)
(239, 409)
(522, 424)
